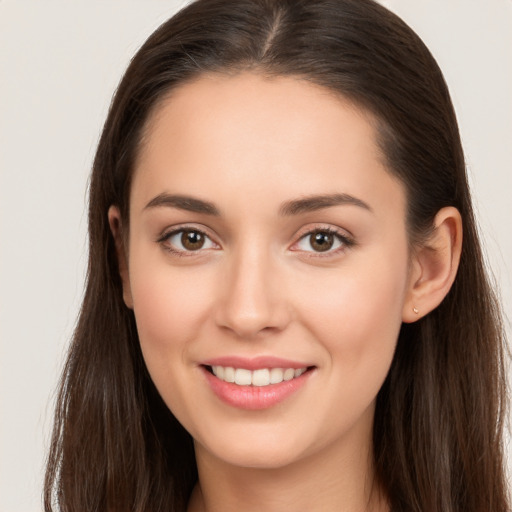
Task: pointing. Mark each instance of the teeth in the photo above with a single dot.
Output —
(243, 377)
(299, 371)
(229, 374)
(289, 373)
(261, 377)
(276, 375)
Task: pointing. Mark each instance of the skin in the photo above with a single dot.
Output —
(249, 145)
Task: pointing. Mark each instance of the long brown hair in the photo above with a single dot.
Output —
(439, 415)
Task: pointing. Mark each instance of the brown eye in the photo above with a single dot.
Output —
(321, 241)
(192, 240)
(187, 241)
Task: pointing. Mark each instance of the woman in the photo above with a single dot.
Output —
(286, 301)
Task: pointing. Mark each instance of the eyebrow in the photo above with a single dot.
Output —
(294, 207)
(314, 203)
(190, 204)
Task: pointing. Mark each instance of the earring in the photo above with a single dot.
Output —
(416, 310)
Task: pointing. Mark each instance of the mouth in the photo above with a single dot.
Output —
(255, 383)
(260, 377)
(258, 388)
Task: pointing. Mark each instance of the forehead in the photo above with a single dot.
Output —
(249, 100)
(284, 135)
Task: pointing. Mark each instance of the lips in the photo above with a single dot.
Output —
(255, 384)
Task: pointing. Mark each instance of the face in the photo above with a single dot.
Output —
(267, 267)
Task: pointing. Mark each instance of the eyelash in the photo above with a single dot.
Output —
(345, 241)
(164, 240)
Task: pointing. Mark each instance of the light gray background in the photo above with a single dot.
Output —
(60, 61)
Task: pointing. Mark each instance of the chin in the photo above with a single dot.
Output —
(261, 450)
(259, 459)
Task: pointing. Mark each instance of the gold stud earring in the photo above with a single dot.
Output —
(416, 310)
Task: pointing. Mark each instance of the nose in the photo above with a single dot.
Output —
(252, 298)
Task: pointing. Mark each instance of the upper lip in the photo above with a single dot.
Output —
(254, 363)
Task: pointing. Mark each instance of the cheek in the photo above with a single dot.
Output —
(359, 313)
(169, 308)
(356, 320)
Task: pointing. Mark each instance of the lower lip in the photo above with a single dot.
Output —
(254, 397)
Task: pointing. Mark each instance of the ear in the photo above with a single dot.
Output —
(114, 220)
(434, 266)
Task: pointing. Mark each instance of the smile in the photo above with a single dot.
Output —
(261, 377)
(255, 384)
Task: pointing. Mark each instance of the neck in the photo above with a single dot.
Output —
(339, 478)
